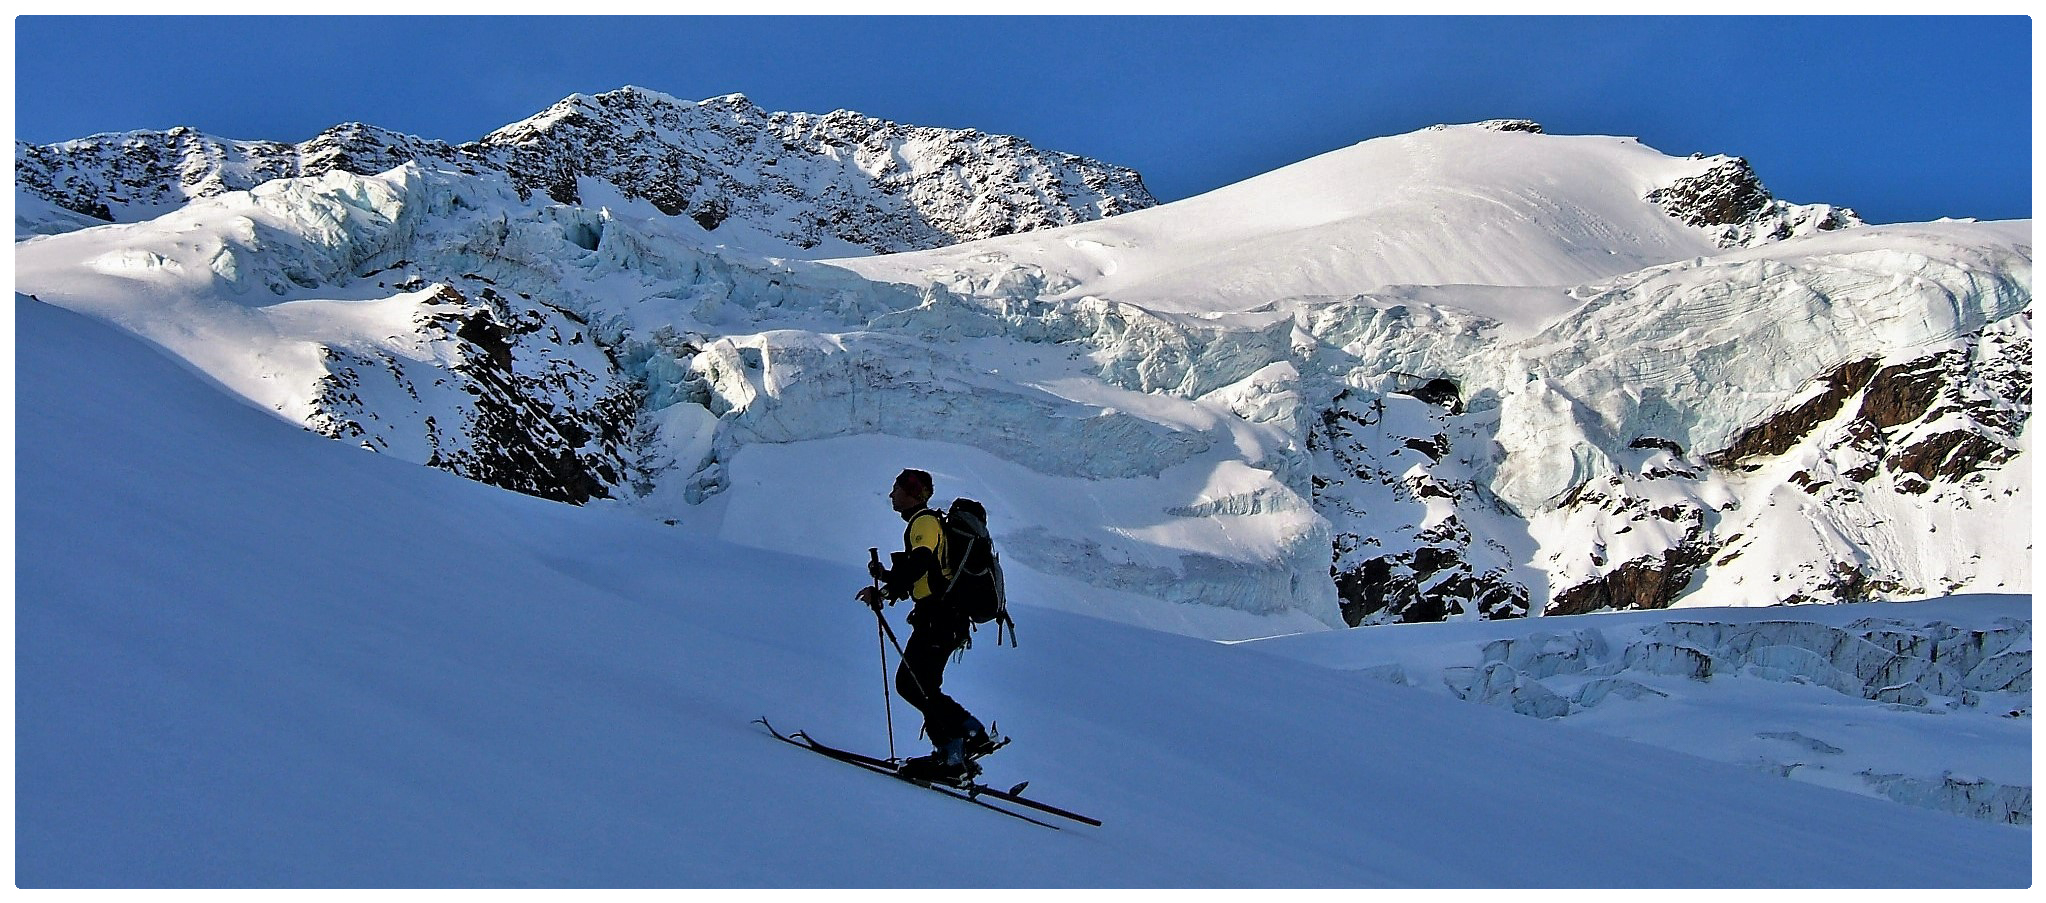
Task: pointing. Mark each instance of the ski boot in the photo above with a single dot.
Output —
(947, 764)
(980, 741)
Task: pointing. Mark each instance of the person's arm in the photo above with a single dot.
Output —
(918, 561)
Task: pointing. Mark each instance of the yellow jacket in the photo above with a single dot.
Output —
(925, 531)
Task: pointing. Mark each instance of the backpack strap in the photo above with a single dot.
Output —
(940, 581)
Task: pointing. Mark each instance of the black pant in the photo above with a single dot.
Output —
(922, 675)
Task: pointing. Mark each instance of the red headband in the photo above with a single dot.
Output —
(915, 481)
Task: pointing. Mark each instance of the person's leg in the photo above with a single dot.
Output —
(920, 680)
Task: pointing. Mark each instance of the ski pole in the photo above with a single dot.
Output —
(881, 637)
(889, 632)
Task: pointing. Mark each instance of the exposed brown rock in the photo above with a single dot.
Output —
(1723, 195)
(1902, 393)
(1649, 582)
(1781, 433)
(1951, 454)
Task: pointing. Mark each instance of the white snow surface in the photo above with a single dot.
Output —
(251, 657)
(1462, 205)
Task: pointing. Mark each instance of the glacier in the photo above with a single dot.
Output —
(1476, 370)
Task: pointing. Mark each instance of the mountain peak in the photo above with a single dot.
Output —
(1496, 125)
(844, 181)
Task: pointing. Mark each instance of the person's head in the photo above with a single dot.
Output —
(911, 493)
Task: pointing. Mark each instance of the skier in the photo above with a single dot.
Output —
(919, 574)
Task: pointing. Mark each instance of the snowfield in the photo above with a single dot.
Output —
(247, 656)
(1451, 206)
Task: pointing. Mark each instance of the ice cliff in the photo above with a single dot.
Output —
(1844, 697)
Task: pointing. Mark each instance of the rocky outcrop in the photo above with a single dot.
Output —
(136, 175)
(1390, 459)
(806, 178)
(1418, 538)
(1648, 582)
(803, 178)
(1781, 432)
(1730, 201)
(1931, 420)
(1502, 125)
(492, 389)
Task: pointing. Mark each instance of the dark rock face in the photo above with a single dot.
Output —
(1730, 201)
(1415, 539)
(1900, 394)
(1780, 433)
(1927, 427)
(1727, 194)
(874, 183)
(503, 405)
(1441, 392)
(1935, 419)
(1391, 459)
(1946, 416)
(1650, 582)
(1620, 505)
(804, 178)
(148, 172)
(367, 150)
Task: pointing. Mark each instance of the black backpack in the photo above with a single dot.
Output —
(976, 589)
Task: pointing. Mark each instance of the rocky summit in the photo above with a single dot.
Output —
(842, 178)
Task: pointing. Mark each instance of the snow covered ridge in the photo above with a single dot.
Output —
(1727, 199)
(1466, 371)
(841, 180)
(1853, 697)
(134, 176)
(805, 178)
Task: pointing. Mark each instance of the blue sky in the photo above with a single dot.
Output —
(1902, 118)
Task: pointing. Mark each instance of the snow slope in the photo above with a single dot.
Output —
(1449, 206)
(247, 656)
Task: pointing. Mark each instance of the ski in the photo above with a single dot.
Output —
(1012, 795)
(881, 766)
(967, 789)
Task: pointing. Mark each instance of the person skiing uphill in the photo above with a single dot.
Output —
(936, 631)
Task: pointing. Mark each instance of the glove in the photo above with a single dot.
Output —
(876, 571)
(871, 596)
